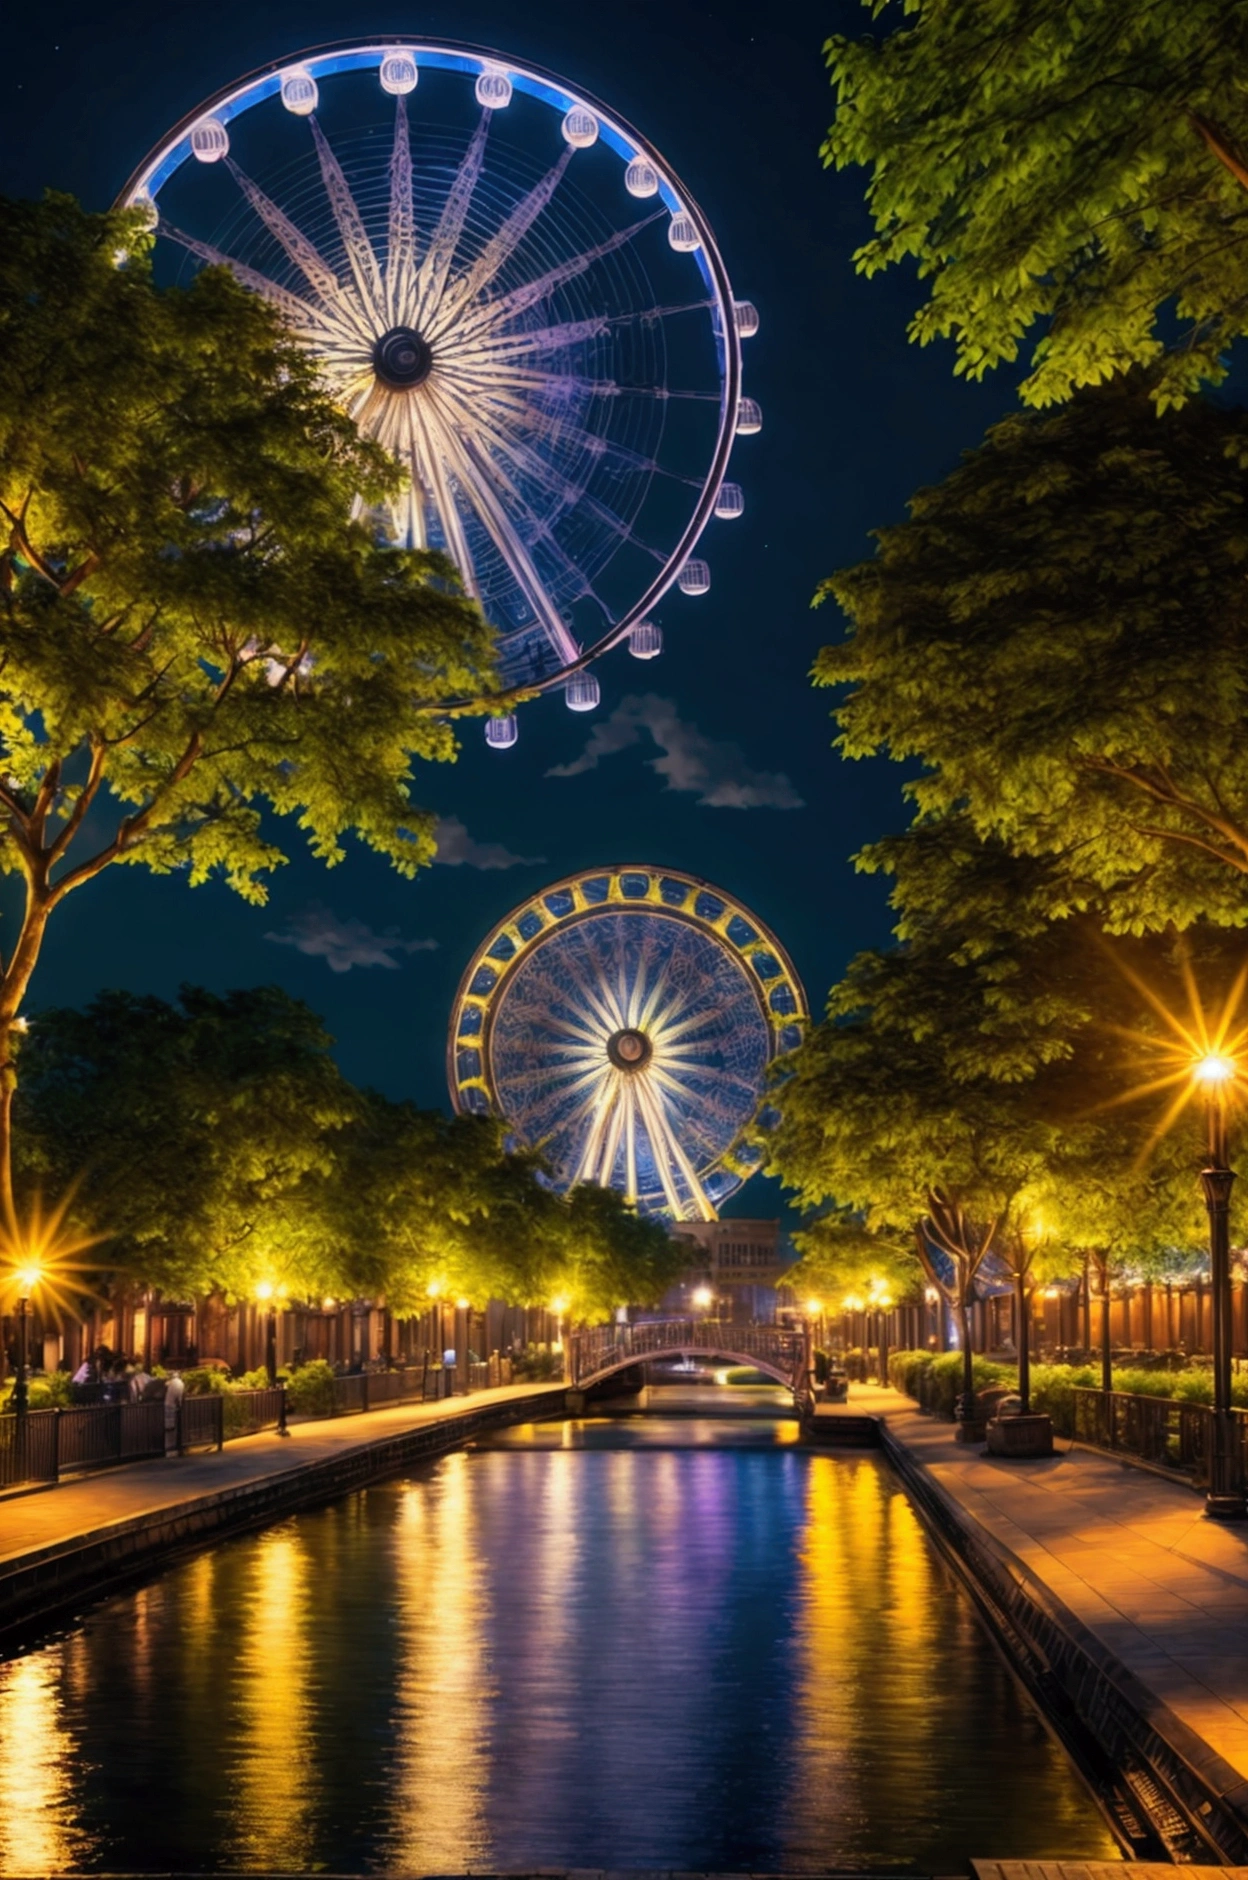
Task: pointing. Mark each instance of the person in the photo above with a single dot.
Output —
(175, 1391)
(139, 1381)
(85, 1374)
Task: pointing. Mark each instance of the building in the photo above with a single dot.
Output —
(737, 1262)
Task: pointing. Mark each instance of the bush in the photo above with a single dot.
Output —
(1053, 1389)
(204, 1383)
(310, 1389)
(536, 1365)
(744, 1374)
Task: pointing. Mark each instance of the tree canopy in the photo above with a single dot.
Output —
(1077, 165)
(213, 1143)
(1059, 633)
(199, 627)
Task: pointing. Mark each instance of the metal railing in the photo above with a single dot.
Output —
(1161, 1430)
(601, 1349)
(44, 1445)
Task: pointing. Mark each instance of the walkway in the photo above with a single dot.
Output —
(1127, 1552)
(76, 1509)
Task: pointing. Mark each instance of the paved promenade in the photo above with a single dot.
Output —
(1127, 1552)
(31, 1522)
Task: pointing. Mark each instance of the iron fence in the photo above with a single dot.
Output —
(44, 1445)
(1161, 1430)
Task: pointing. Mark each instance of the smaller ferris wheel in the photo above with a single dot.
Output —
(623, 1021)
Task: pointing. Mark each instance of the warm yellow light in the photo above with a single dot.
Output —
(702, 1296)
(559, 1306)
(327, 1305)
(461, 1305)
(814, 1307)
(28, 1278)
(434, 1289)
(883, 1302)
(264, 1289)
(852, 1303)
(1213, 1068)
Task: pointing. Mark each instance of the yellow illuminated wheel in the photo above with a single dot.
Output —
(623, 1020)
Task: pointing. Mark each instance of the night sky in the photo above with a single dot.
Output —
(855, 419)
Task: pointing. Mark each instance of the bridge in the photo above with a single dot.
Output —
(599, 1350)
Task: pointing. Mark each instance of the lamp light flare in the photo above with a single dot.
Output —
(1214, 1068)
(559, 1306)
(28, 1278)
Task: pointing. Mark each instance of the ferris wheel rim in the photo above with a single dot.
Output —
(627, 141)
(489, 1004)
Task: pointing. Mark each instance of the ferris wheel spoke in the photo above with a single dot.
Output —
(509, 306)
(630, 1144)
(472, 474)
(304, 317)
(500, 247)
(596, 996)
(671, 1155)
(541, 341)
(436, 266)
(611, 1136)
(401, 247)
(428, 459)
(307, 258)
(359, 248)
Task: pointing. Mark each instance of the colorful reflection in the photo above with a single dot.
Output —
(708, 1658)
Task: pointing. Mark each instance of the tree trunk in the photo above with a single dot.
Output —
(12, 994)
(1107, 1346)
(1022, 1338)
(968, 1356)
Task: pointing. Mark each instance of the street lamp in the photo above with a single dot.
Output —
(265, 1294)
(883, 1303)
(1225, 1498)
(28, 1278)
(703, 1298)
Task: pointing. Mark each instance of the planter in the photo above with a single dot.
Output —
(1020, 1436)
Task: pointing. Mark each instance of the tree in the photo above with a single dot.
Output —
(195, 636)
(1059, 634)
(983, 1088)
(611, 1255)
(1078, 164)
(204, 1137)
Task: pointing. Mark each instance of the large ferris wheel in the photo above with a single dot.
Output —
(623, 1021)
(509, 288)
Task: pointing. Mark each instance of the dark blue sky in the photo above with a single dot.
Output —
(855, 419)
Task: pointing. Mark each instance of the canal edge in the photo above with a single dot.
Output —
(1189, 1800)
(41, 1589)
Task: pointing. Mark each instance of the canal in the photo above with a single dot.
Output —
(658, 1643)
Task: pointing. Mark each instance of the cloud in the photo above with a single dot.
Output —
(457, 849)
(342, 944)
(717, 774)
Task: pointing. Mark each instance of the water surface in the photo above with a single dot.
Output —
(610, 1653)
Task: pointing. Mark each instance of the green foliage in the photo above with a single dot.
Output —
(935, 1382)
(310, 1389)
(1067, 164)
(536, 1365)
(1059, 635)
(195, 636)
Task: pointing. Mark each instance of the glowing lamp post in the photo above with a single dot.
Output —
(28, 1278)
(559, 1306)
(265, 1294)
(703, 1299)
(1225, 1499)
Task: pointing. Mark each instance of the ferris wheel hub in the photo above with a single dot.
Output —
(629, 1050)
(402, 359)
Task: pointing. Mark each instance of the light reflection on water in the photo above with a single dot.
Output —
(712, 1657)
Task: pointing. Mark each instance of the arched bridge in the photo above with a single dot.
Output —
(599, 1350)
